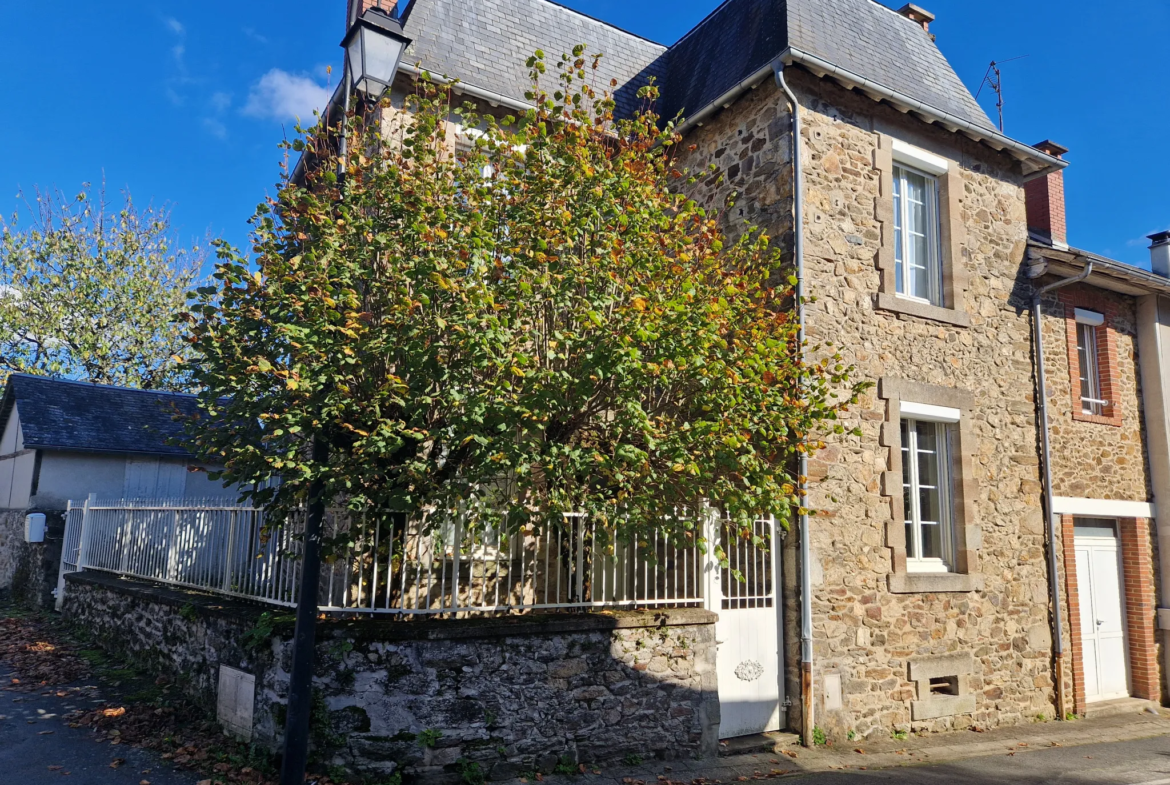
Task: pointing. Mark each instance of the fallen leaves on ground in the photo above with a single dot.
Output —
(31, 648)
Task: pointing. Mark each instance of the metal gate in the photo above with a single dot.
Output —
(71, 551)
(748, 634)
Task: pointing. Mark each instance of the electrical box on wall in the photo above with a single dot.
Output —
(34, 527)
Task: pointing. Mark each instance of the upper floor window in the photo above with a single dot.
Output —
(917, 232)
(927, 493)
(1092, 401)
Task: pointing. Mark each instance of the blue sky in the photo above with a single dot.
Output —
(184, 103)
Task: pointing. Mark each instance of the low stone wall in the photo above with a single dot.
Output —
(434, 699)
(28, 571)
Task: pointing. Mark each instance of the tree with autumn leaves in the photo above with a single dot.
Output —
(534, 322)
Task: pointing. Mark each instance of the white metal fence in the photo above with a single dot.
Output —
(400, 565)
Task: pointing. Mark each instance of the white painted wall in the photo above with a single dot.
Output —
(12, 440)
(74, 476)
(16, 470)
(66, 476)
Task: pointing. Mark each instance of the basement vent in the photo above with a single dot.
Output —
(944, 685)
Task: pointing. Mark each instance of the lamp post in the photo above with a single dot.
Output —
(373, 47)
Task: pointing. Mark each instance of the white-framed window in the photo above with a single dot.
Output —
(1087, 358)
(927, 487)
(917, 235)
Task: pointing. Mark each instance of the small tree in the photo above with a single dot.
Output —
(92, 292)
(534, 325)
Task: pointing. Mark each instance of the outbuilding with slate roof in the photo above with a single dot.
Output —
(64, 440)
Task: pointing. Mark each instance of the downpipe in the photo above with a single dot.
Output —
(1049, 516)
(806, 647)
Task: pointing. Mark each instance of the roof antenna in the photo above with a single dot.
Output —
(996, 83)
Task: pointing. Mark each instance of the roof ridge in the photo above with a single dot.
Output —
(606, 24)
(91, 385)
(702, 22)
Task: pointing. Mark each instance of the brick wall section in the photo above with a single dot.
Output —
(1045, 201)
(1107, 364)
(355, 8)
(1137, 578)
(1075, 650)
(1140, 608)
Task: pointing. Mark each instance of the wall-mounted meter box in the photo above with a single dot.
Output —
(34, 527)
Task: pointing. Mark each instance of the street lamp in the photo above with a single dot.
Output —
(373, 47)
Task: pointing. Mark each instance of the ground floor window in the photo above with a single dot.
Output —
(926, 487)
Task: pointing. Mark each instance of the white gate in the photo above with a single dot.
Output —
(71, 550)
(746, 595)
(1104, 657)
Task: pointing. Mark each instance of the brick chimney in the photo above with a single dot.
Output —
(1160, 254)
(917, 14)
(1044, 197)
(356, 8)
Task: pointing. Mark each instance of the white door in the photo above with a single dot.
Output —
(748, 633)
(1105, 661)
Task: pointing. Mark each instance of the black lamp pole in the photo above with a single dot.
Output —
(373, 47)
(300, 688)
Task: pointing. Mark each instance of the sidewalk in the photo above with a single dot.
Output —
(886, 753)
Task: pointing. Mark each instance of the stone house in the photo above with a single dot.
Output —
(917, 596)
(63, 440)
(924, 576)
(1104, 330)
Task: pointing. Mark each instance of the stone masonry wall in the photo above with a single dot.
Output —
(13, 549)
(28, 571)
(508, 695)
(863, 631)
(1095, 460)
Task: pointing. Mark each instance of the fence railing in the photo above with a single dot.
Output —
(398, 564)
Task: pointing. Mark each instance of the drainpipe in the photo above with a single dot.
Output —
(806, 647)
(1053, 570)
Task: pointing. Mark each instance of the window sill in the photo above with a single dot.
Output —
(902, 305)
(1100, 419)
(934, 583)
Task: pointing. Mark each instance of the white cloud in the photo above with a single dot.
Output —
(215, 128)
(178, 52)
(220, 102)
(262, 40)
(175, 25)
(1144, 240)
(280, 95)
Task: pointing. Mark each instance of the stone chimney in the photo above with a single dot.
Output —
(356, 8)
(917, 14)
(1160, 254)
(1044, 197)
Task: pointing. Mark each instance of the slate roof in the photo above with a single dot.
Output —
(58, 414)
(862, 36)
(484, 43)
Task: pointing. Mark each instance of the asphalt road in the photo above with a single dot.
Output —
(37, 747)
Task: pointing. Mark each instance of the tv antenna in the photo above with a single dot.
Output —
(994, 77)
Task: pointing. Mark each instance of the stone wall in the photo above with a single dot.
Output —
(996, 634)
(1095, 460)
(28, 571)
(509, 695)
